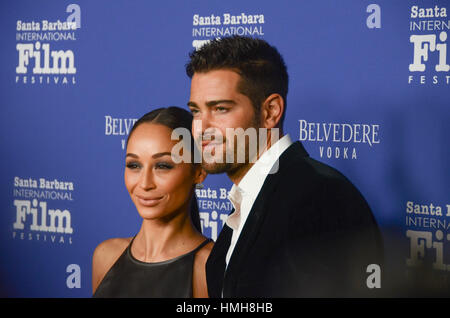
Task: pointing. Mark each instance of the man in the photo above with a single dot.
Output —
(298, 227)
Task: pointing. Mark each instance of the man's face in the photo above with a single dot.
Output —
(216, 105)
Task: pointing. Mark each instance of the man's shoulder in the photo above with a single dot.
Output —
(304, 181)
(297, 167)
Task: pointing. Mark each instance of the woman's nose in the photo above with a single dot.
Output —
(147, 179)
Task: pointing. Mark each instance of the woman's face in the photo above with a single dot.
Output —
(159, 188)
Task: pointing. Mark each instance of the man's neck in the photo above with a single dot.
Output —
(237, 174)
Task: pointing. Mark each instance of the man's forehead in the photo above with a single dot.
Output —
(213, 86)
(222, 76)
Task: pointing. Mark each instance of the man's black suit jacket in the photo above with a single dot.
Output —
(310, 233)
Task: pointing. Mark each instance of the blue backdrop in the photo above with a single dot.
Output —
(369, 95)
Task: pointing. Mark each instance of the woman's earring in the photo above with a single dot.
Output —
(199, 186)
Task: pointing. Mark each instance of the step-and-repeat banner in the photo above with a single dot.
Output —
(369, 95)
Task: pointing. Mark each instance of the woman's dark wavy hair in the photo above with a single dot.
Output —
(173, 117)
(261, 67)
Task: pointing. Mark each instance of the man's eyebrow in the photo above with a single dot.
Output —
(221, 101)
(214, 102)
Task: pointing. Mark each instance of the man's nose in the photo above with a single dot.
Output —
(201, 123)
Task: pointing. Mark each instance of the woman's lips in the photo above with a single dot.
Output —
(149, 202)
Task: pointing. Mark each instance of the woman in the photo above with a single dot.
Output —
(167, 256)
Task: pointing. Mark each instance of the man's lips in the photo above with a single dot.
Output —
(148, 201)
(209, 143)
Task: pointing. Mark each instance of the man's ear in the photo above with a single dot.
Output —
(200, 174)
(271, 111)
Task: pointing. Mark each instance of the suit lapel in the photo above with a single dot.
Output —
(256, 216)
(215, 265)
(217, 278)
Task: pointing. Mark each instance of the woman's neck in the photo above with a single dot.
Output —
(160, 240)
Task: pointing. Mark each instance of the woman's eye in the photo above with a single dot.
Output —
(163, 166)
(194, 112)
(133, 165)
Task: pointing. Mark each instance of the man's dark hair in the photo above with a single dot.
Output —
(259, 64)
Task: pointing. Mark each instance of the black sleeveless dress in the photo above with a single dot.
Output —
(129, 277)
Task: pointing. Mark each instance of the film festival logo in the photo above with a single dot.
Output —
(215, 207)
(205, 27)
(40, 59)
(429, 27)
(39, 210)
(427, 230)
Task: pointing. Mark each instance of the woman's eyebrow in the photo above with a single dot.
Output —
(161, 154)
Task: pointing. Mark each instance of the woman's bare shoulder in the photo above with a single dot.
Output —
(105, 255)
(108, 251)
(112, 246)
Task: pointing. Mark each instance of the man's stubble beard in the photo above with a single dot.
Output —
(231, 167)
(216, 168)
(219, 164)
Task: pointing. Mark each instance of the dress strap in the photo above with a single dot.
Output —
(131, 242)
(191, 252)
(201, 245)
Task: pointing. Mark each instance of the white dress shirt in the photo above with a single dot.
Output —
(243, 195)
